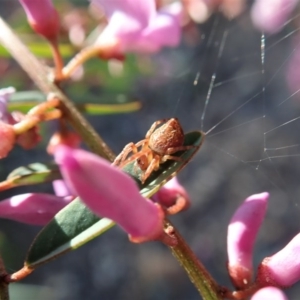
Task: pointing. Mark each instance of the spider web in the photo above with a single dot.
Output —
(236, 87)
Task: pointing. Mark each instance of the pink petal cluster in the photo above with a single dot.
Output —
(270, 15)
(34, 209)
(269, 293)
(136, 25)
(42, 17)
(283, 268)
(241, 235)
(110, 193)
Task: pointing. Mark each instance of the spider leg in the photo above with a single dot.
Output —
(170, 157)
(143, 161)
(133, 157)
(154, 165)
(173, 150)
(131, 147)
(153, 127)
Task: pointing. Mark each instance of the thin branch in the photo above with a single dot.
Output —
(40, 74)
(199, 276)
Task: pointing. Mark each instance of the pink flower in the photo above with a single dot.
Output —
(110, 193)
(283, 268)
(136, 26)
(270, 15)
(173, 196)
(42, 17)
(241, 235)
(269, 293)
(35, 209)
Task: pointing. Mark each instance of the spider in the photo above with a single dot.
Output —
(157, 147)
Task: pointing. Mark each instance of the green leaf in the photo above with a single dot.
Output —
(101, 109)
(43, 50)
(24, 101)
(33, 174)
(25, 96)
(75, 225)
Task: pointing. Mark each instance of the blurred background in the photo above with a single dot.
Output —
(248, 150)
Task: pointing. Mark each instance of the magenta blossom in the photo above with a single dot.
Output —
(136, 26)
(268, 293)
(42, 17)
(283, 268)
(110, 193)
(270, 15)
(34, 209)
(241, 235)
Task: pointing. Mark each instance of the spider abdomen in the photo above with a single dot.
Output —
(167, 136)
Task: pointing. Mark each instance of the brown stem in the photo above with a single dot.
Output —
(197, 273)
(77, 61)
(103, 50)
(5, 185)
(58, 62)
(246, 293)
(39, 73)
(52, 115)
(41, 108)
(19, 275)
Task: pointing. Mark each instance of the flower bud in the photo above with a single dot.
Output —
(42, 17)
(241, 235)
(269, 293)
(65, 137)
(35, 209)
(283, 268)
(110, 193)
(7, 138)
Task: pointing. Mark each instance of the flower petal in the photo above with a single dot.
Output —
(164, 30)
(139, 10)
(35, 209)
(283, 268)
(135, 26)
(241, 235)
(173, 196)
(270, 15)
(269, 293)
(110, 193)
